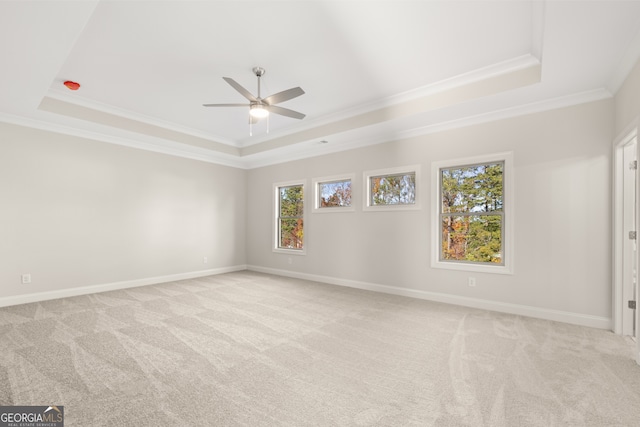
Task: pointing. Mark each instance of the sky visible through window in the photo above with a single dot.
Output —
(334, 194)
(397, 189)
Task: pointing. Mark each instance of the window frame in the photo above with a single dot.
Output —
(316, 208)
(367, 175)
(507, 214)
(276, 218)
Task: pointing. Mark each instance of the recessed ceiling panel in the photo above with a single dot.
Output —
(165, 59)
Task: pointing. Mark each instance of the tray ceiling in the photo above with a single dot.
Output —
(372, 71)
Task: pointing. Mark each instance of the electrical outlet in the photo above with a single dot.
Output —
(26, 279)
(205, 260)
(290, 260)
(472, 281)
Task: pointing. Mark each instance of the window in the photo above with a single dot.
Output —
(333, 194)
(289, 217)
(391, 189)
(471, 225)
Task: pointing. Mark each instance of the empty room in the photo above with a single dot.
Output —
(319, 213)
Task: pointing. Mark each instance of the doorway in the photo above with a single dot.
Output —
(629, 233)
(625, 236)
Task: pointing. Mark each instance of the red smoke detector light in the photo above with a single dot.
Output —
(72, 85)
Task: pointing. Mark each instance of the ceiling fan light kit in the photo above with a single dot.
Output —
(259, 107)
(258, 111)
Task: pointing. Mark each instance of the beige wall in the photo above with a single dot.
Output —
(627, 101)
(76, 212)
(562, 165)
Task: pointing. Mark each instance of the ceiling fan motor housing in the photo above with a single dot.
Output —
(261, 107)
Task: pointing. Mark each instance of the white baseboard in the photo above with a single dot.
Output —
(84, 290)
(522, 310)
(502, 307)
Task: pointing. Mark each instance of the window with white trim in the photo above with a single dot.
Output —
(333, 194)
(392, 189)
(289, 224)
(471, 222)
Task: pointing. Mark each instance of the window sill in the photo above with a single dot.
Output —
(290, 251)
(387, 208)
(471, 267)
(336, 209)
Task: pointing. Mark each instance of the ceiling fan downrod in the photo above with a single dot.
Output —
(259, 72)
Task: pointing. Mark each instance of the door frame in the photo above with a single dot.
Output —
(618, 304)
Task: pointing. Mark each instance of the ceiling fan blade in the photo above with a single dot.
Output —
(284, 112)
(240, 89)
(225, 105)
(285, 95)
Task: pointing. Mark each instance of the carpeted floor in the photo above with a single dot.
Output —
(249, 349)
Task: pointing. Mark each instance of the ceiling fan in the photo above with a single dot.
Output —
(261, 107)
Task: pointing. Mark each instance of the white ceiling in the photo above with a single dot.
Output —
(372, 70)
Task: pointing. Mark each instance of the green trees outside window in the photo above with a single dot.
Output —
(334, 194)
(397, 189)
(290, 217)
(471, 213)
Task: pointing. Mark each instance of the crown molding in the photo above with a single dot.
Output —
(481, 74)
(506, 113)
(100, 118)
(127, 114)
(140, 142)
(525, 73)
(348, 140)
(343, 142)
(63, 103)
(312, 148)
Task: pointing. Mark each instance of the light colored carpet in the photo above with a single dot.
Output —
(248, 349)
